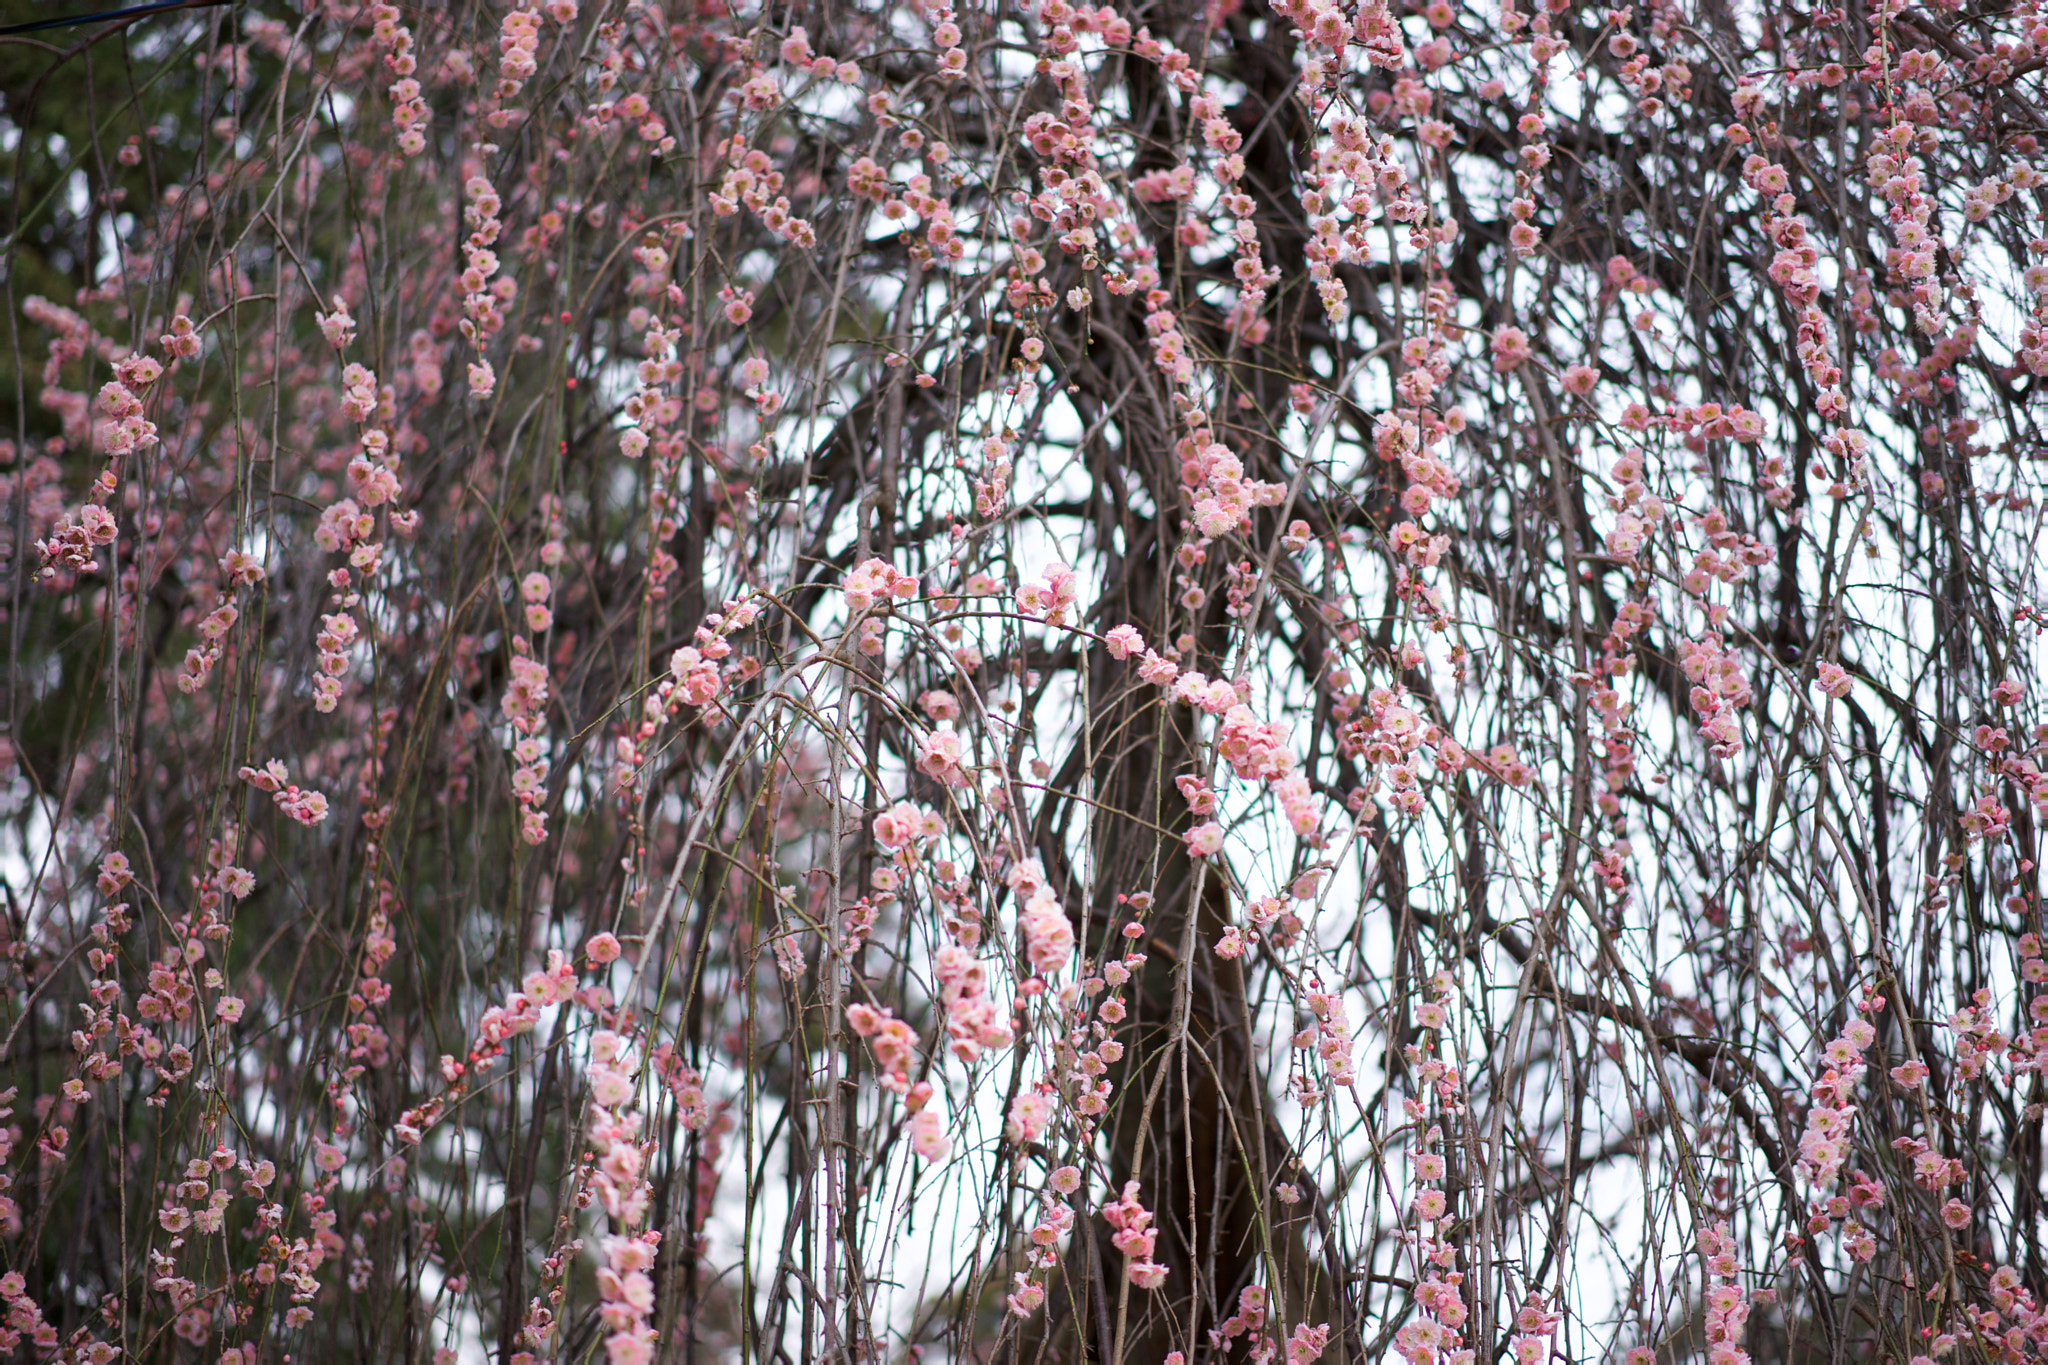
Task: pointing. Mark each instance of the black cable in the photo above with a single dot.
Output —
(131, 12)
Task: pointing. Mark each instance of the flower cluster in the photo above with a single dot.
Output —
(896, 1049)
(893, 1043)
(1719, 691)
(1330, 1036)
(369, 1045)
(708, 389)
(1727, 1307)
(240, 570)
(873, 583)
(518, 42)
(623, 1192)
(525, 705)
(1048, 934)
(1134, 1237)
(1048, 599)
(409, 111)
(974, 1021)
(1824, 1142)
(74, 545)
(1637, 510)
(25, 1320)
(498, 1024)
(303, 805)
(484, 291)
(2029, 1050)
(1534, 1327)
(1435, 1333)
(698, 674)
(1978, 1039)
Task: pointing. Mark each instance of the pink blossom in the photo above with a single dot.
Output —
(1157, 671)
(1026, 1298)
(928, 1136)
(1048, 936)
(874, 582)
(1029, 1114)
(941, 756)
(1510, 348)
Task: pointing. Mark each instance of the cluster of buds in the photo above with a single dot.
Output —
(893, 1042)
(1719, 690)
(871, 589)
(1048, 599)
(1048, 934)
(1436, 1332)
(483, 292)
(525, 704)
(1135, 1237)
(240, 570)
(409, 111)
(307, 807)
(895, 1048)
(73, 545)
(1727, 1307)
(698, 676)
(518, 42)
(120, 430)
(620, 1185)
(499, 1024)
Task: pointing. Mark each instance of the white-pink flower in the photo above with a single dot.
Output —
(928, 1135)
(1510, 348)
(873, 582)
(941, 755)
(1048, 937)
